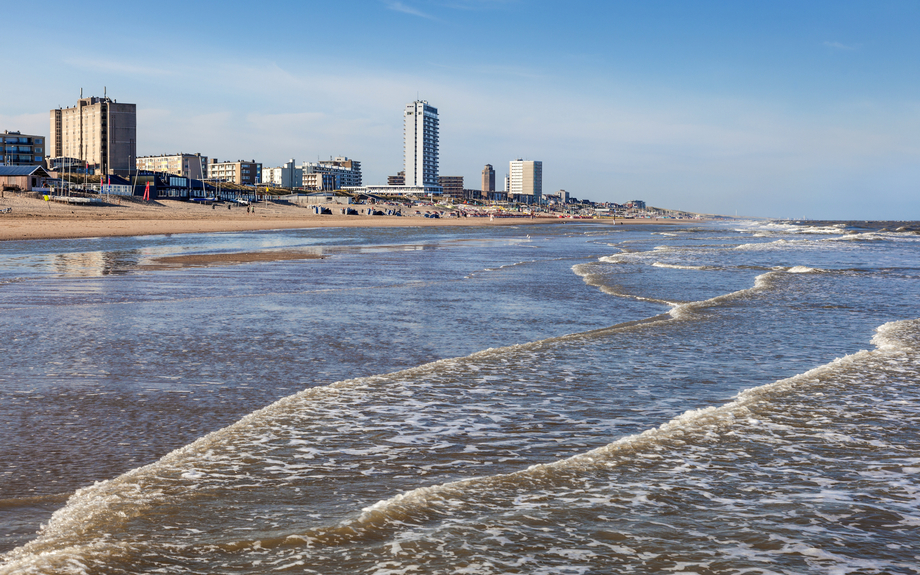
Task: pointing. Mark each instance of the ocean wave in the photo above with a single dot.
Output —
(423, 503)
(680, 267)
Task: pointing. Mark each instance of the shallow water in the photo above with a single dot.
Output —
(544, 399)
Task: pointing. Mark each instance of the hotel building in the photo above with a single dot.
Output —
(98, 131)
(420, 144)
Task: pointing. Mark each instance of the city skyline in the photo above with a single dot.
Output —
(777, 110)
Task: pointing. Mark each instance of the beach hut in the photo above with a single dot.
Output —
(22, 177)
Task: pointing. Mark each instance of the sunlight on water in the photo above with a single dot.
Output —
(464, 400)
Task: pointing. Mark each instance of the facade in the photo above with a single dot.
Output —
(451, 186)
(239, 172)
(318, 181)
(193, 166)
(347, 173)
(17, 149)
(287, 176)
(526, 180)
(397, 180)
(636, 204)
(420, 144)
(98, 131)
(488, 179)
(23, 178)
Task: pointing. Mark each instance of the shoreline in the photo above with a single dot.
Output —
(34, 219)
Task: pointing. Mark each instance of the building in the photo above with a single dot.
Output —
(488, 179)
(318, 181)
(347, 173)
(98, 131)
(451, 186)
(22, 178)
(17, 149)
(287, 176)
(238, 172)
(397, 180)
(636, 204)
(525, 180)
(420, 144)
(193, 166)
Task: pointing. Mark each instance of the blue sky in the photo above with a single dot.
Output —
(761, 108)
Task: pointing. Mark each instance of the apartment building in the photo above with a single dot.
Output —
(451, 186)
(18, 149)
(347, 172)
(238, 172)
(187, 165)
(99, 131)
(420, 144)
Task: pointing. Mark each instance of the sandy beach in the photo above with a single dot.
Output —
(34, 219)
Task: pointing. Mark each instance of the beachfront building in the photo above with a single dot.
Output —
(193, 166)
(286, 176)
(238, 172)
(22, 178)
(397, 180)
(346, 172)
(451, 186)
(488, 179)
(525, 181)
(420, 144)
(18, 149)
(99, 131)
(318, 181)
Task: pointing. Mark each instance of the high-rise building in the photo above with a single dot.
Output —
(187, 165)
(18, 149)
(98, 131)
(526, 179)
(488, 179)
(420, 144)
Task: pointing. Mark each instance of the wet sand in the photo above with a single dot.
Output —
(32, 219)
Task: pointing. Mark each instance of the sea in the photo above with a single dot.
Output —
(573, 398)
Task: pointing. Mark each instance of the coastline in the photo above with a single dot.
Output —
(34, 219)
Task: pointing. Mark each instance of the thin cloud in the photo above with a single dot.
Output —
(113, 67)
(839, 46)
(400, 7)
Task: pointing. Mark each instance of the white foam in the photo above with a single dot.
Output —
(677, 267)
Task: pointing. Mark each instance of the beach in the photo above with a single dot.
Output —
(35, 219)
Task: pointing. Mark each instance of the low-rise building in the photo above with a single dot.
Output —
(238, 172)
(347, 172)
(318, 181)
(23, 178)
(287, 176)
(185, 165)
(398, 180)
(18, 149)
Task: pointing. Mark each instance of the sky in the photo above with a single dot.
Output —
(766, 108)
